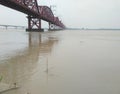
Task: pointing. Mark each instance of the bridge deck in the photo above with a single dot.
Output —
(19, 7)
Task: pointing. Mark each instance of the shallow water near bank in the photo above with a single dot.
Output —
(61, 62)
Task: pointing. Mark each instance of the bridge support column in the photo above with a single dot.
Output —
(51, 27)
(34, 24)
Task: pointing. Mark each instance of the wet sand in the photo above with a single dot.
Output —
(61, 62)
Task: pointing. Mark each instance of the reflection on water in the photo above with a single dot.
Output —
(30, 60)
(64, 62)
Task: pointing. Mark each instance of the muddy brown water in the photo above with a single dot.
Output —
(61, 62)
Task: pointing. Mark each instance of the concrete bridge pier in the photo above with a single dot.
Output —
(53, 27)
(34, 24)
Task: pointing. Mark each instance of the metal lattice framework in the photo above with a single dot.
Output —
(35, 13)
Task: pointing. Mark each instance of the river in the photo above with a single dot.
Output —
(61, 62)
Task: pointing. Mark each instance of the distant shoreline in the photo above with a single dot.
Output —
(90, 29)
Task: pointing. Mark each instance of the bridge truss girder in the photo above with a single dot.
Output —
(35, 13)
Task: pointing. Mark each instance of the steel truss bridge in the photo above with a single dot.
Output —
(35, 13)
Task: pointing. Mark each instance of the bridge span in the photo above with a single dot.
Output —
(35, 14)
(12, 26)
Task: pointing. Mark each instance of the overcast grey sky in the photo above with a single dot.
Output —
(74, 13)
